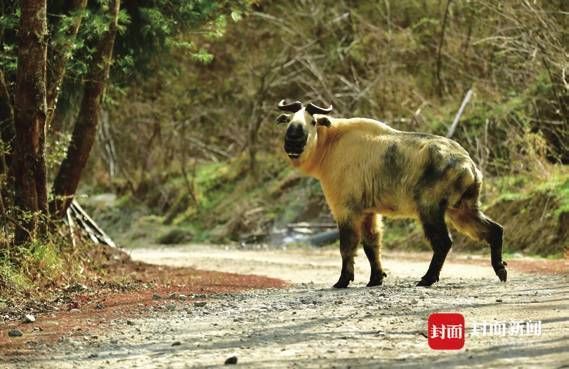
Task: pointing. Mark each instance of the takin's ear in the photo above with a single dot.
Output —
(283, 118)
(322, 120)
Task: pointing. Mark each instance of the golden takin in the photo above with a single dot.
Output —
(368, 169)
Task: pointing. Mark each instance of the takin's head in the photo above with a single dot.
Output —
(301, 125)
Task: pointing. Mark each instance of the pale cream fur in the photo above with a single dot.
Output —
(350, 160)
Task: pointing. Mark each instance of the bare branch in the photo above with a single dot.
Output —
(465, 101)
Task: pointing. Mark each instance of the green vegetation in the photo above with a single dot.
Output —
(187, 149)
(42, 265)
(221, 204)
(190, 132)
(55, 67)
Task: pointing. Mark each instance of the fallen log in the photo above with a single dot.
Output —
(324, 238)
(310, 225)
(77, 217)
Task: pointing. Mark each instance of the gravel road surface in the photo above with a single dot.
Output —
(310, 325)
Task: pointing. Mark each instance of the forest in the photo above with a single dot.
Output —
(166, 113)
(153, 123)
(158, 118)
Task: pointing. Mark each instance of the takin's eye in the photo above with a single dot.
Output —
(323, 121)
(283, 118)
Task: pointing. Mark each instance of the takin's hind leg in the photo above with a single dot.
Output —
(436, 231)
(371, 240)
(475, 224)
(349, 240)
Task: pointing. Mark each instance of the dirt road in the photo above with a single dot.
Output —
(310, 325)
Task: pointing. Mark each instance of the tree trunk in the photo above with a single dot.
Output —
(440, 83)
(7, 132)
(254, 126)
(30, 113)
(84, 132)
(58, 54)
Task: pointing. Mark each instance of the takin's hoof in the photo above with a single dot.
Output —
(344, 281)
(376, 280)
(502, 274)
(501, 271)
(341, 284)
(427, 282)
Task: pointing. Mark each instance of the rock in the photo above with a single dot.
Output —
(499, 300)
(15, 333)
(129, 322)
(182, 297)
(200, 303)
(29, 318)
(75, 287)
(232, 360)
(171, 307)
(177, 343)
(156, 296)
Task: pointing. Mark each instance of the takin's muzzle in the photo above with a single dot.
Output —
(295, 140)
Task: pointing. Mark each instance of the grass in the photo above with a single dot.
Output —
(45, 256)
(219, 193)
(556, 184)
(12, 278)
(31, 267)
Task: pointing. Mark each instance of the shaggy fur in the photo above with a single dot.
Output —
(367, 168)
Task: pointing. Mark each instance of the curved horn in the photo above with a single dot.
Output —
(314, 109)
(292, 107)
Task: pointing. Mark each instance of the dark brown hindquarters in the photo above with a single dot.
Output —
(371, 240)
(470, 220)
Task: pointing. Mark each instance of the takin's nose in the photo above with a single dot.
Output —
(295, 132)
(295, 139)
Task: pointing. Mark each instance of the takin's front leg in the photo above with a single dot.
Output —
(349, 239)
(436, 231)
(371, 239)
